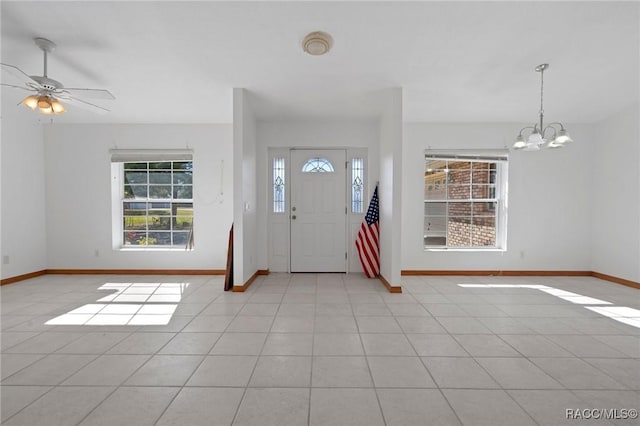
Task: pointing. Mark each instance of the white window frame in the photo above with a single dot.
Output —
(318, 165)
(118, 158)
(500, 157)
(278, 231)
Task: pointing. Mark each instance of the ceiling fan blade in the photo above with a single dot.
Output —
(13, 86)
(20, 75)
(89, 93)
(87, 106)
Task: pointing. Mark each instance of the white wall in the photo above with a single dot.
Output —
(390, 190)
(244, 190)
(23, 191)
(549, 210)
(615, 227)
(557, 203)
(320, 133)
(78, 209)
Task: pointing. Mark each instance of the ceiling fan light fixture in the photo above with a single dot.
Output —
(44, 102)
(317, 43)
(30, 102)
(57, 107)
(46, 110)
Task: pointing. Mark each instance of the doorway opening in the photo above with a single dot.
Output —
(316, 204)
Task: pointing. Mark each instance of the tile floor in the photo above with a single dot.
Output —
(315, 349)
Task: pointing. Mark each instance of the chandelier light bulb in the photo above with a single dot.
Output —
(535, 138)
(563, 137)
(519, 143)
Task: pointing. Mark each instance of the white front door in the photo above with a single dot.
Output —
(318, 210)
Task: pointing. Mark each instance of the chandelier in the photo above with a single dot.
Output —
(554, 135)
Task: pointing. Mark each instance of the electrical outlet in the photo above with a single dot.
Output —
(97, 253)
(5, 259)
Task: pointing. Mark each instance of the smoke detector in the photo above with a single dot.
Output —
(317, 43)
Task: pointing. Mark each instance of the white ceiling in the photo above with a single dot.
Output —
(457, 61)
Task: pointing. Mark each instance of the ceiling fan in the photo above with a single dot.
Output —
(49, 94)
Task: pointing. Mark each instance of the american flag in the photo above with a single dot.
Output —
(367, 240)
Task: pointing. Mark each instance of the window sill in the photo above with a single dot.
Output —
(476, 250)
(136, 249)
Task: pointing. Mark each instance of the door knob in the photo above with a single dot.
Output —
(293, 208)
(293, 217)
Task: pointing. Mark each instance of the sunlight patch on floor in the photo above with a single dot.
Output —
(621, 314)
(131, 304)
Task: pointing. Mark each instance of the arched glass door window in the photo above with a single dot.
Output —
(317, 165)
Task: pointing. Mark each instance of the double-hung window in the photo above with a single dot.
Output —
(465, 200)
(153, 199)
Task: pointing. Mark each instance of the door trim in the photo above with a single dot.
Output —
(278, 242)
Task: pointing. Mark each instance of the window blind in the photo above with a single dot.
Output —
(136, 155)
(467, 155)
